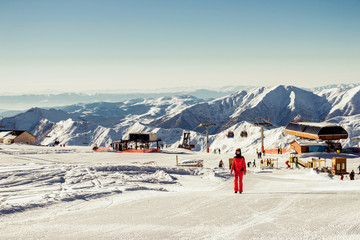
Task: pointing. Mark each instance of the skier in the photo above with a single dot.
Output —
(352, 175)
(254, 163)
(239, 167)
(221, 164)
(342, 177)
(359, 168)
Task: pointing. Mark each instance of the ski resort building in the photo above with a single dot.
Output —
(302, 146)
(310, 130)
(138, 142)
(17, 136)
(315, 137)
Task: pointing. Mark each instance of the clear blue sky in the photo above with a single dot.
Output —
(74, 45)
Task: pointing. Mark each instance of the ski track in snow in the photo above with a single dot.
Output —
(43, 185)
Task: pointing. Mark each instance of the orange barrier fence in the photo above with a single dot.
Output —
(140, 151)
(275, 150)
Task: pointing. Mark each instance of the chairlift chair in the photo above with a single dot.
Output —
(230, 134)
(244, 134)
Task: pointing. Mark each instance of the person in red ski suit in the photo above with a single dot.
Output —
(239, 167)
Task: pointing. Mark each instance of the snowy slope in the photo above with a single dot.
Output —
(344, 101)
(333, 86)
(74, 193)
(31, 118)
(144, 110)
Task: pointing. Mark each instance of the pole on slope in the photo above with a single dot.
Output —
(262, 122)
(207, 124)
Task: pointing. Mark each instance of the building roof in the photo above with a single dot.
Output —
(311, 130)
(317, 124)
(11, 134)
(307, 143)
(7, 135)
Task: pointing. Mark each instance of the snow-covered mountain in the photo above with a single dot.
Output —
(344, 101)
(333, 86)
(99, 123)
(281, 104)
(169, 117)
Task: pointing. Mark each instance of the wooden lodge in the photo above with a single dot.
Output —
(302, 146)
(17, 136)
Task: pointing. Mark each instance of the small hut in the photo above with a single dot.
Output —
(137, 141)
(302, 146)
(338, 166)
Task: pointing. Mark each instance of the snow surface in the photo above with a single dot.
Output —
(75, 193)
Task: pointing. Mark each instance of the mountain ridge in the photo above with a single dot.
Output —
(103, 122)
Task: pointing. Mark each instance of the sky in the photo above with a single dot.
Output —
(90, 45)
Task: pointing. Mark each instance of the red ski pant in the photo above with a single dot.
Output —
(238, 181)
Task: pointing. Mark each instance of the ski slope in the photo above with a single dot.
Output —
(74, 193)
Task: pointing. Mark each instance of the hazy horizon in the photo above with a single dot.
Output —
(225, 88)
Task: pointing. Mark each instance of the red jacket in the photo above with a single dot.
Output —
(238, 164)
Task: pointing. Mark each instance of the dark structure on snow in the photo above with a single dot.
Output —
(315, 131)
(310, 130)
(137, 141)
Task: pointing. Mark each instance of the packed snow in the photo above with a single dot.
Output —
(75, 193)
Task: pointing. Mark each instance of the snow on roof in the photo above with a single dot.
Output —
(10, 134)
(321, 124)
(304, 142)
(4, 133)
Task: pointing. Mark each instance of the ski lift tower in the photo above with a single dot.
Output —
(262, 122)
(207, 124)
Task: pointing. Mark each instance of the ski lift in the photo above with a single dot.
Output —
(244, 134)
(230, 134)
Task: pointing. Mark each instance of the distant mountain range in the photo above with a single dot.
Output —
(104, 122)
(26, 101)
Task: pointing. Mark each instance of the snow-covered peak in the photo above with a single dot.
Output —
(345, 102)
